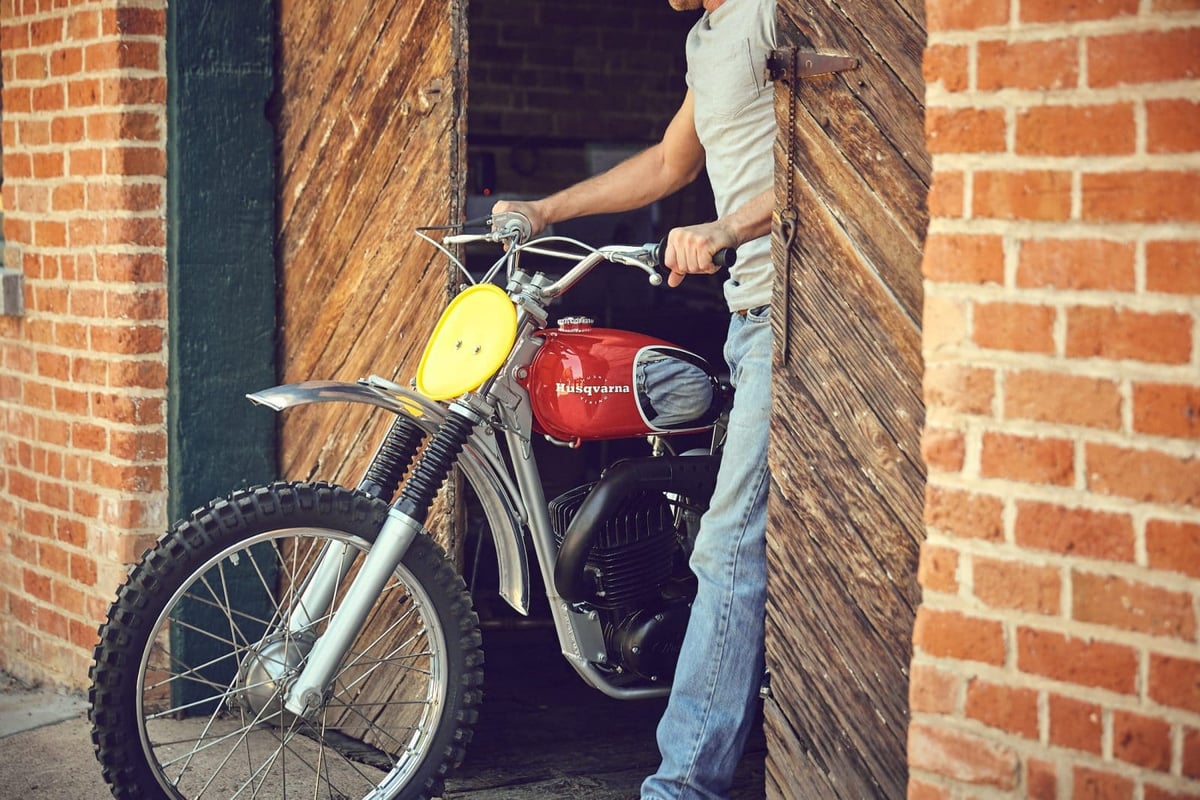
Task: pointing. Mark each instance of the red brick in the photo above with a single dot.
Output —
(66, 130)
(1143, 57)
(1007, 708)
(83, 25)
(946, 194)
(938, 568)
(1132, 606)
(150, 161)
(1018, 327)
(1068, 399)
(1156, 196)
(1017, 585)
(1144, 475)
(1175, 682)
(1175, 5)
(933, 691)
(1028, 459)
(1077, 264)
(127, 91)
(943, 450)
(1116, 333)
(1167, 410)
(1082, 662)
(921, 790)
(139, 374)
(951, 634)
(45, 31)
(66, 61)
(83, 569)
(138, 445)
(1032, 195)
(126, 477)
(1041, 779)
(1076, 130)
(131, 268)
(1141, 740)
(1172, 126)
(963, 757)
(126, 409)
(1075, 724)
(947, 65)
(961, 258)
(1173, 546)
(1191, 753)
(1173, 267)
(127, 339)
(965, 514)
(135, 21)
(965, 14)
(965, 130)
(1075, 10)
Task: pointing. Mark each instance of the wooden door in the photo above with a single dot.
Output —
(848, 480)
(370, 139)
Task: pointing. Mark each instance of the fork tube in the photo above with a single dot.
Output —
(313, 602)
(405, 520)
(382, 478)
(308, 691)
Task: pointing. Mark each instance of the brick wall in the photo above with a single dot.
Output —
(1056, 648)
(83, 371)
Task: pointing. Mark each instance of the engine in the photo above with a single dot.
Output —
(623, 545)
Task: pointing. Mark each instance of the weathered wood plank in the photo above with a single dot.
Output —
(845, 512)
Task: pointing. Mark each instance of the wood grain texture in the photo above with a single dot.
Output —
(845, 515)
(371, 129)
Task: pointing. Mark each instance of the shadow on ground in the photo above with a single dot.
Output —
(543, 733)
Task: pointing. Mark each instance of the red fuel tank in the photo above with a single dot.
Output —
(599, 383)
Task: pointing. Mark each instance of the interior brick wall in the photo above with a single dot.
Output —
(83, 371)
(543, 86)
(1056, 651)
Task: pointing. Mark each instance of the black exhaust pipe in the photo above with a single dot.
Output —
(692, 477)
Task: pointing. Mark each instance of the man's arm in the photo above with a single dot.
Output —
(650, 175)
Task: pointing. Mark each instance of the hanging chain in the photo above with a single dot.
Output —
(789, 218)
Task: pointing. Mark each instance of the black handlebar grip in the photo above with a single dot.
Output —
(725, 257)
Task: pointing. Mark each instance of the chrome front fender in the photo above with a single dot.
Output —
(480, 462)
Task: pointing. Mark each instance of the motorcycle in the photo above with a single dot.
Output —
(309, 639)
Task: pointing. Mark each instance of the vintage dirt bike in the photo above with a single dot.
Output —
(311, 640)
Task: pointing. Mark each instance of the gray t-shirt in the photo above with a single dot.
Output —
(735, 118)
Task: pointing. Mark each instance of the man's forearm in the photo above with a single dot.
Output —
(633, 183)
(753, 219)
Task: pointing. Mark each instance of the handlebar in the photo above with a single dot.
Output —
(514, 231)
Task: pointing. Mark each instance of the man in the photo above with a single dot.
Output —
(726, 124)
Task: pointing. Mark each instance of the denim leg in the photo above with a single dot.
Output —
(711, 708)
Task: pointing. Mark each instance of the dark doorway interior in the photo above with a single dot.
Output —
(559, 90)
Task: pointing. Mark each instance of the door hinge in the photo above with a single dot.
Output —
(791, 63)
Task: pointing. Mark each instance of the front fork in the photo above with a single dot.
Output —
(405, 521)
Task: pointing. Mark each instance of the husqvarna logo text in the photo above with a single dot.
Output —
(590, 389)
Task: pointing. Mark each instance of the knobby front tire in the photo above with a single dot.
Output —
(196, 654)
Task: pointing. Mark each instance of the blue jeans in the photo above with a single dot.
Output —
(711, 709)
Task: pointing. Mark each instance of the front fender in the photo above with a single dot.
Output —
(480, 462)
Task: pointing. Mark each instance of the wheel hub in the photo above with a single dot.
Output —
(266, 673)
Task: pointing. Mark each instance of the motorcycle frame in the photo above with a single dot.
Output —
(510, 508)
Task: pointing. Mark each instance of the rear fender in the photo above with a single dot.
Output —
(480, 462)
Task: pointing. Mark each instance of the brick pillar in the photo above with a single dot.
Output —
(1055, 652)
(83, 371)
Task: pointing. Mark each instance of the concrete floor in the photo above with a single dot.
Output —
(542, 734)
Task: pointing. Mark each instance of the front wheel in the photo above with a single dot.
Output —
(197, 654)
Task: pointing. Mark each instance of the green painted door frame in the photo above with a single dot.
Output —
(220, 247)
(220, 277)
